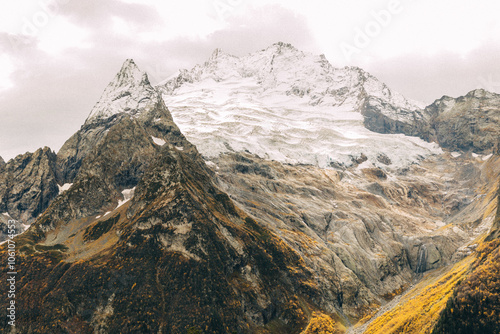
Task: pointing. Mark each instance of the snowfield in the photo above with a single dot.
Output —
(286, 105)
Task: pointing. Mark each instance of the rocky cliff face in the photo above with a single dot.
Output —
(367, 233)
(467, 123)
(10, 226)
(470, 122)
(28, 183)
(382, 117)
(495, 229)
(474, 307)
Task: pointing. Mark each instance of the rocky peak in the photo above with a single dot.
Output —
(280, 47)
(217, 52)
(129, 92)
(479, 93)
(131, 104)
(2, 162)
(470, 122)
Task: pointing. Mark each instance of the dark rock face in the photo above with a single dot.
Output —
(28, 184)
(383, 117)
(108, 156)
(71, 154)
(471, 122)
(6, 225)
(116, 162)
(467, 123)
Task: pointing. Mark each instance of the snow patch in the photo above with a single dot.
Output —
(64, 187)
(127, 195)
(211, 164)
(158, 141)
(180, 148)
(98, 217)
(455, 154)
(106, 213)
(487, 157)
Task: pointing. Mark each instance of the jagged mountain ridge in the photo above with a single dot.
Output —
(129, 109)
(282, 69)
(350, 222)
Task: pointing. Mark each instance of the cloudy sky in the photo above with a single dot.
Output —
(57, 56)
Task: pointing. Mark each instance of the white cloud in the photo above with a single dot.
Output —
(62, 35)
(15, 13)
(181, 18)
(6, 69)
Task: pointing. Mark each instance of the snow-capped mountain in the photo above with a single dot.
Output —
(130, 91)
(287, 105)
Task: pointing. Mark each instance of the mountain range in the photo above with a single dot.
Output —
(269, 193)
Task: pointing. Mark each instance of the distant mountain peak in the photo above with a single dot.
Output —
(130, 92)
(282, 45)
(217, 52)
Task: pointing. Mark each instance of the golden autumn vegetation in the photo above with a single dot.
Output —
(475, 305)
(419, 309)
(321, 323)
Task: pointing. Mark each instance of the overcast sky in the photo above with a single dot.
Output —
(57, 56)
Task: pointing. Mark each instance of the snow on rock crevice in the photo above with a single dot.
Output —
(127, 195)
(158, 141)
(64, 187)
